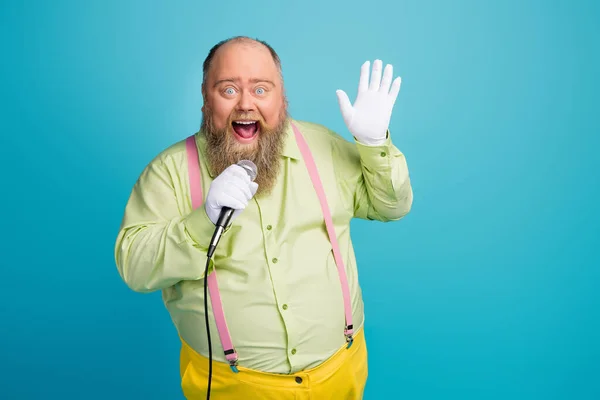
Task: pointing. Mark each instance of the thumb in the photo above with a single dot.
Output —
(345, 105)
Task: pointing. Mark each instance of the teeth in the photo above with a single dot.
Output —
(245, 122)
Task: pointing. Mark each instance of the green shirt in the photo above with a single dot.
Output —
(277, 277)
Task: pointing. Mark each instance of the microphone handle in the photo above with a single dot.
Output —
(225, 217)
(222, 223)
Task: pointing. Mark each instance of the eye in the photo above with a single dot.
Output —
(260, 91)
(230, 91)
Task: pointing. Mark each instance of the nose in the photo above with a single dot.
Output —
(246, 102)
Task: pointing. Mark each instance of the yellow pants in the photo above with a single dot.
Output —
(342, 377)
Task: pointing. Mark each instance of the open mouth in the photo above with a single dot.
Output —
(245, 130)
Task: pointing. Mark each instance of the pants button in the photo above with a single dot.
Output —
(298, 379)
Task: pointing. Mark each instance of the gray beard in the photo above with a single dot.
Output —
(223, 150)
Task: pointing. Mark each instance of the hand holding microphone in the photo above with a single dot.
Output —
(228, 195)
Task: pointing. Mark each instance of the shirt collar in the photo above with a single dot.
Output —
(290, 146)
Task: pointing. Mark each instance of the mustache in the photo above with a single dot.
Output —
(253, 117)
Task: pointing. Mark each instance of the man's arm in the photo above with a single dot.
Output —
(384, 192)
(383, 189)
(158, 244)
(375, 177)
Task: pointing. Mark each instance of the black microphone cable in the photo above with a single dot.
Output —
(207, 328)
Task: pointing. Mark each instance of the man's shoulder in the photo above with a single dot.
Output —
(172, 156)
(176, 150)
(317, 131)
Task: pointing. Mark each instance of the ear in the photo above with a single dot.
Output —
(203, 97)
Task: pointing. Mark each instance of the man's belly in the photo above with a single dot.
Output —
(275, 326)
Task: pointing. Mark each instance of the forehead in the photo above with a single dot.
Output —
(244, 61)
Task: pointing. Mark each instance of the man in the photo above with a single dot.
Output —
(285, 306)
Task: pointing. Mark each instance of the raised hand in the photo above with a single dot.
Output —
(368, 119)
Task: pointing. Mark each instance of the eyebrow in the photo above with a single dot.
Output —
(254, 80)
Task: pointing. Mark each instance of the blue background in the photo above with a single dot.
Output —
(487, 290)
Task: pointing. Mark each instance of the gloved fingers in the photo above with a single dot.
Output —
(237, 171)
(387, 79)
(375, 76)
(345, 105)
(234, 201)
(395, 89)
(239, 187)
(363, 82)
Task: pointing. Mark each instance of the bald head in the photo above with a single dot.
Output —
(230, 44)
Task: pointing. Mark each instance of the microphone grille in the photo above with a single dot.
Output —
(250, 168)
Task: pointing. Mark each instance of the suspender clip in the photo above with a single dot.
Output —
(348, 332)
(231, 356)
(350, 340)
(233, 365)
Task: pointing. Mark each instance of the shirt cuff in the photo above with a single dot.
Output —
(376, 156)
(199, 227)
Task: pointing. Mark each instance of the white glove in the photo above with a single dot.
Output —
(369, 118)
(232, 188)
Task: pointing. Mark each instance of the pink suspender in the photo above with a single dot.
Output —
(316, 180)
(197, 200)
(213, 286)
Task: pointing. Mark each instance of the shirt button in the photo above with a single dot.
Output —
(298, 379)
(275, 261)
(285, 306)
(293, 351)
(383, 154)
(269, 227)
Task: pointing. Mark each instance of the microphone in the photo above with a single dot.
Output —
(226, 212)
